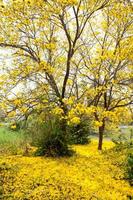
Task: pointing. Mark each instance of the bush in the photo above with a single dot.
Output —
(50, 139)
(125, 143)
(79, 134)
(17, 125)
(130, 168)
(119, 139)
(130, 159)
(123, 138)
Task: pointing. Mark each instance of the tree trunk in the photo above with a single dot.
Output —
(101, 131)
(63, 124)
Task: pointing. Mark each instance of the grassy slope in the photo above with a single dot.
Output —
(87, 175)
(10, 141)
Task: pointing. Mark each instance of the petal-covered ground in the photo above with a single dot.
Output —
(87, 175)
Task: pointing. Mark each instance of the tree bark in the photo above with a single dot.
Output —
(63, 121)
(101, 132)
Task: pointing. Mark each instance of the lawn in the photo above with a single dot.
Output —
(87, 175)
(11, 142)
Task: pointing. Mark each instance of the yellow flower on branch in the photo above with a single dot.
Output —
(13, 126)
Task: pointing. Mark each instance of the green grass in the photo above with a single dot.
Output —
(8, 136)
(11, 141)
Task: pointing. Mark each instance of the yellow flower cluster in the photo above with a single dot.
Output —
(88, 175)
(13, 126)
(70, 100)
(58, 111)
(45, 67)
(67, 2)
(74, 121)
(97, 124)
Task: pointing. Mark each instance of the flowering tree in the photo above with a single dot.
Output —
(62, 59)
(108, 76)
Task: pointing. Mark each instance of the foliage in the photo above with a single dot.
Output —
(49, 137)
(120, 139)
(122, 136)
(79, 133)
(127, 148)
(130, 158)
(124, 142)
(46, 133)
(77, 177)
(130, 168)
(14, 126)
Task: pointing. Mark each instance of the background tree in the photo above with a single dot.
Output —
(108, 75)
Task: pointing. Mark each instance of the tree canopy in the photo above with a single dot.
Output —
(73, 58)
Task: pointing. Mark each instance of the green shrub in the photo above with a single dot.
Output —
(130, 168)
(17, 125)
(130, 158)
(50, 139)
(123, 138)
(125, 142)
(79, 134)
(119, 139)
